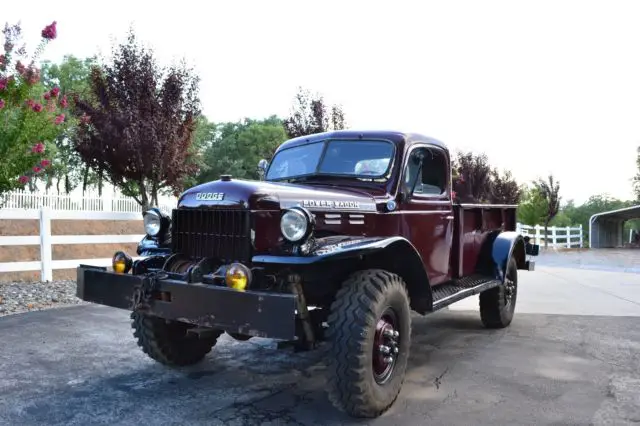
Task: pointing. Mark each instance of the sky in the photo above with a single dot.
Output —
(540, 87)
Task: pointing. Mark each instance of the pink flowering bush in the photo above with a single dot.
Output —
(31, 118)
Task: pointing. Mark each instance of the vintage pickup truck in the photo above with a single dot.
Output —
(343, 236)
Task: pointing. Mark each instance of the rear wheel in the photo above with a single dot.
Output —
(497, 305)
(369, 338)
(168, 341)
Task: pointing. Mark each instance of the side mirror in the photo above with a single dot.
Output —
(262, 168)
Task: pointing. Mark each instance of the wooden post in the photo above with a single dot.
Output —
(46, 273)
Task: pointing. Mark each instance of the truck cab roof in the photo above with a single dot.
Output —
(404, 140)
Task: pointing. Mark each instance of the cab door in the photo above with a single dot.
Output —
(427, 209)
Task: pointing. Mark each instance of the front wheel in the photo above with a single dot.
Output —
(497, 305)
(168, 342)
(369, 338)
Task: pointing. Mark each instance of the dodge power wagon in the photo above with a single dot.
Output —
(344, 235)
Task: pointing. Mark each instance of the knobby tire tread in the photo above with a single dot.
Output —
(166, 344)
(350, 319)
(492, 304)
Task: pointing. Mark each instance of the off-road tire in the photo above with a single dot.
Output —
(352, 324)
(495, 312)
(168, 341)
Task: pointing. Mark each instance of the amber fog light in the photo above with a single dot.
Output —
(121, 262)
(238, 277)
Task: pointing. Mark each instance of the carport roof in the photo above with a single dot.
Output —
(624, 214)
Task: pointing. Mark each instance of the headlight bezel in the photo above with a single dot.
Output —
(163, 222)
(303, 213)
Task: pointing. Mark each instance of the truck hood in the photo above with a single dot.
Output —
(259, 195)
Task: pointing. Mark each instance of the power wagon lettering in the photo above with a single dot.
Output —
(331, 204)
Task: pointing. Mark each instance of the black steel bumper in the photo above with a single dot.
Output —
(251, 313)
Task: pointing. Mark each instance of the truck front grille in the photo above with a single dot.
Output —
(223, 234)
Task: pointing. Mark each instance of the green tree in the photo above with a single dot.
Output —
(532, 208)
(235, 148)
(550, 191)
(30, 117)
(72, 77)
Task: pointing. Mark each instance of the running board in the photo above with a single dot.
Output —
(454, 291)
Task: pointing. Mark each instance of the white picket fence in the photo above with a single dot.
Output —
(89, 202)
(45, 240)
(557, 236)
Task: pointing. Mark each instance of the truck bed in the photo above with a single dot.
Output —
(473, 223)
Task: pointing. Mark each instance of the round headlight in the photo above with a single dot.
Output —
(294, 225)
(152, 223)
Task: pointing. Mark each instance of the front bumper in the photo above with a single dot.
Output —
(252, 313)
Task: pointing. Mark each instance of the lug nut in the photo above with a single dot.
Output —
(395, 350)
(391, 334)
(385, 349)
(388, 359)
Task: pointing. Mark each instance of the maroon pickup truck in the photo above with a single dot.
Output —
(344, 235)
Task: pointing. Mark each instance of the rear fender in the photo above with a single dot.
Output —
(499, 247)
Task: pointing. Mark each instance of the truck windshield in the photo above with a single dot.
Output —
(362, 158)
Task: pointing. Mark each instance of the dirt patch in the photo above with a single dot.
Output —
(64, 251)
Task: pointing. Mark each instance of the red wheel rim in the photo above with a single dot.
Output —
(386, 346)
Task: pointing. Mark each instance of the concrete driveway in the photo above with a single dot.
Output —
(571, 357)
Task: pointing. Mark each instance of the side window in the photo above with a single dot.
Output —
(431, 178)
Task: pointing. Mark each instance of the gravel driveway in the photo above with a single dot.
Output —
(79, 365)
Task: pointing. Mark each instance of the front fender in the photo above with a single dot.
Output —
(150, 247)
(332, 248)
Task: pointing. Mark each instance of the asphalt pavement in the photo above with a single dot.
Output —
(571, 357)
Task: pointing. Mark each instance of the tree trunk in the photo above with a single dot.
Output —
(546, 238)
(154, 194)
(144, 199)
(85, 181)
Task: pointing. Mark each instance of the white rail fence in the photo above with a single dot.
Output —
(557, 236)
(89, 202)
(45, 240)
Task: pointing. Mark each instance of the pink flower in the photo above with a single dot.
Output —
(3, 83)
(84, 118)
(37, 169)
(20, 68)
(37, 107)
(63, 102)
(38, 148)
(1, 103)
(47, 95)
(45, 163)
(23, 179)
(55, 91)
(49, 32)
(3, 59)
(30, 103)
(59, 119)
(32, 75)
